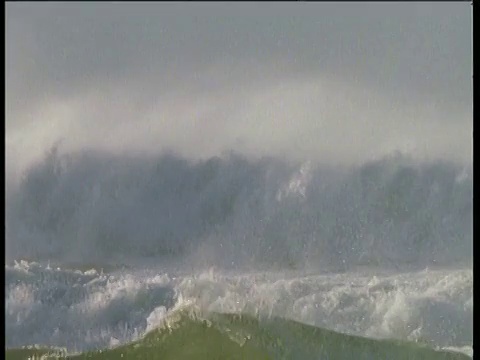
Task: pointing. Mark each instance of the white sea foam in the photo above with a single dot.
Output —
(83, 310)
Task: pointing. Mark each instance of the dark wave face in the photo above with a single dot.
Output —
(232, 211)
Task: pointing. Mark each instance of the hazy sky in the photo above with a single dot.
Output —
(334, 82)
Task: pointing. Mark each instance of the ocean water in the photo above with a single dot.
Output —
(144, 257)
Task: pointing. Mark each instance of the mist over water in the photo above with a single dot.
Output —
(316, 167)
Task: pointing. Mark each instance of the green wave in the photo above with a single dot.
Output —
(188, 335)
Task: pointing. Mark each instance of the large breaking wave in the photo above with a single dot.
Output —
(382, 250)
(231, 211)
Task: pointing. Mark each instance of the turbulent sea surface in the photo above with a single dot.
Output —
(229, 258)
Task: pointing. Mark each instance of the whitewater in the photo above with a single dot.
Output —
(104, 250)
